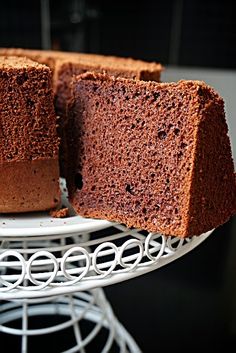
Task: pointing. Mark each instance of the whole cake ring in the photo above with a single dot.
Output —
(155, 156)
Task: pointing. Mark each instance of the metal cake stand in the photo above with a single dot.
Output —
(51, 266)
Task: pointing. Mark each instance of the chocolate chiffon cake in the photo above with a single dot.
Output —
(154, 156)
(66, 64)
(29, 172)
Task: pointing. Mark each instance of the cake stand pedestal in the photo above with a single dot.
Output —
(57, 267)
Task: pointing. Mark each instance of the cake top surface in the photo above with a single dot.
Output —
(16, 62)
(192, 85)
(87, 60)
(90, 59)
(106, 61)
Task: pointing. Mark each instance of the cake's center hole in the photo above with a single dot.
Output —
(78, 181)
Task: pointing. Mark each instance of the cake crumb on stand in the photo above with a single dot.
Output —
(60, 213)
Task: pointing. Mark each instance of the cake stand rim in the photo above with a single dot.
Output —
(88, 225)
(19, 294)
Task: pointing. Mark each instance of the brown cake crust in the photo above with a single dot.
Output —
(152, 156)
(29, 185)
(28, 137)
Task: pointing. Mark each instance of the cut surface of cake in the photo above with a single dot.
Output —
(29, 172)
(154, 156)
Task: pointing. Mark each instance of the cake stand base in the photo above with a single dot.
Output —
(88, 315)
(52, 268)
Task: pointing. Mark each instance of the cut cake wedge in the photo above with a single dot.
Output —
(154, 156)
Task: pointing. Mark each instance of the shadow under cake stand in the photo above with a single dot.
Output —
(52, 266)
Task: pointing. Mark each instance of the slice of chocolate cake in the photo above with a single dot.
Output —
(75, 65)
(152, 156)
(29, 173)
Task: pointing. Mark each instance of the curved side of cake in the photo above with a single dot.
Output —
(29, 172)
(152, 156)
(212, 193)
(29, 185)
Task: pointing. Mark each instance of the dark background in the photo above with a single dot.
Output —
(193, 33)
(190, 304)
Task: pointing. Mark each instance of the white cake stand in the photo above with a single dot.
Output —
(51, 266)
